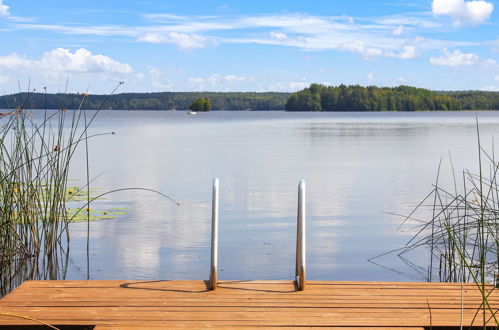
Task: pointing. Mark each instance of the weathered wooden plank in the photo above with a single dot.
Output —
(188, 304)
(203, 326)
(236, 303)
(250, 292)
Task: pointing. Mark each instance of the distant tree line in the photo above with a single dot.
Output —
(148, 101)
(477, 100)
(314, 98)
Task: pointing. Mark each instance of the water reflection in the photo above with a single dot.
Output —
(357, 167)
(43, 266)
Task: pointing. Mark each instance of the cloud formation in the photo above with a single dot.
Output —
(456, 58)
(369, 52)
(4, 9)
(219, 82)
(182, 40)
(463, 12)
(157, 79)
(289, 86)
(366, 36)
(62, 60)
(398, 30)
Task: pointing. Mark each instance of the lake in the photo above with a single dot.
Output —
(358, 167)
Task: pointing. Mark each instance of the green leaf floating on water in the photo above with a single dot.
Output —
(81, 216)
(77, 194)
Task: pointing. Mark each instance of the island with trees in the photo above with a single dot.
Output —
(358, 98)
(200, 105)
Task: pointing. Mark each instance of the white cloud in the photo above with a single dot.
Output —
(347, 19)
(4, 9)
(218, 81)
(153, 38)
(398, 30)
(490, 88)
(368, 36)
(158, 80)
(360, 47)
(63, 61)
(416, 20)
(463, 12)
(231, 78)
(407, 52)
(15, 62)
(291, 30)
(4, 79)
(496, 78)
(370, 77)
(489, 62)
(278, 35)
(456, 58)
(81, 61)
(163, 17)
(401, 80)
(182, 40)
(195, 80)
(289, 86)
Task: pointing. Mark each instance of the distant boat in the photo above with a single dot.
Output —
(191, 112)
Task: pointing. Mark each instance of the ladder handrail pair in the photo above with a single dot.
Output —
(300, 271)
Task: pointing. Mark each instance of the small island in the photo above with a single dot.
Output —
(200, 105)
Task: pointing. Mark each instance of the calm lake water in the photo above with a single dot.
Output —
(358, 168)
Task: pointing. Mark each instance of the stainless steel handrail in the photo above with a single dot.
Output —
(300, 274)
(214, 235)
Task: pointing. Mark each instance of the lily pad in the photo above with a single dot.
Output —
(94, 215)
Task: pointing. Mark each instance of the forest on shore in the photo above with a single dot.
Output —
(401, 98)
(148, 101)
(314, 98)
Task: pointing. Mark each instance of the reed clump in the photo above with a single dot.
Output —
(460, 229)
(35, 157)
(37, 205)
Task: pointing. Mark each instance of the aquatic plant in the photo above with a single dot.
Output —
(459, 230)
(37, 204)
(35, 158)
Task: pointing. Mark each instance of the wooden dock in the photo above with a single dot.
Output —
(126, 305)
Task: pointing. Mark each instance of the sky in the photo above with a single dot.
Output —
(256, 45)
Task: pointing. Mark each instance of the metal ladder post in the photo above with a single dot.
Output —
(300, 274)
(214, 235)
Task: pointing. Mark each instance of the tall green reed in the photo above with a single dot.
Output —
(459, 230)
(35, 159)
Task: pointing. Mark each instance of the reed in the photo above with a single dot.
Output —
(459, 230)
(35, 158)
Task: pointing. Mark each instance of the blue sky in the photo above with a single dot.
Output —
(247, 45)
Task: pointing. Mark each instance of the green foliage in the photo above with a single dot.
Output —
(34, 192)
(315, 98)
(477, 100)
(401, 98)
(200, 105)
(150, 101)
